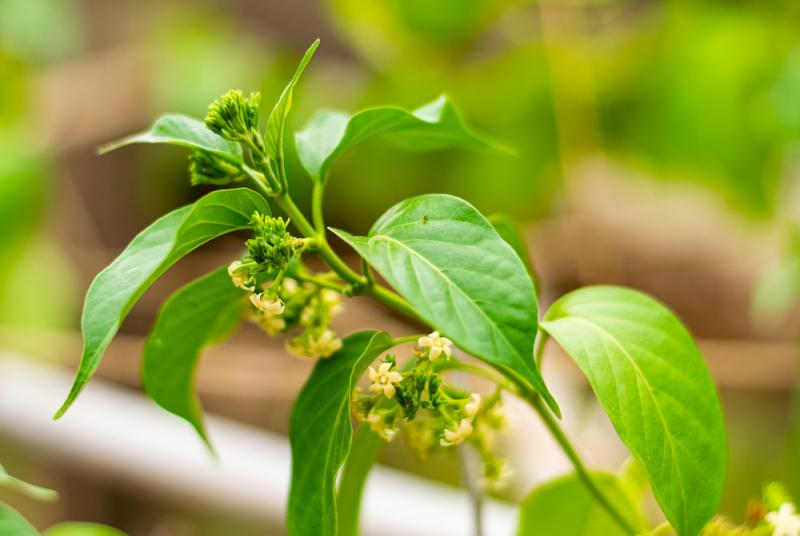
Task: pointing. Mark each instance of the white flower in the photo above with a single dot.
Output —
(267, 305)
(332, 301)
(377, 424)
(328, 343)
(273, 325)
(785, 521)
(383, 379)
(471, 408)
(241, 280)
(290, 286)
(436, 345)
(456, 434)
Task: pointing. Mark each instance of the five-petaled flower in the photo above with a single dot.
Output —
(785, 521)
(383, 379)
(457, 433)
(436, 345)
(267, 305)
(240, 278)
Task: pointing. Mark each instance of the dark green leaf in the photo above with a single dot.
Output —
(276, 122)
(184, 131)
(321, 433)
(447, 260)
(82, 529)
(116, 289)
(650, 378)
(203, 312)
(329, 134)
(366, 445)
(565, 507)
(13, 524)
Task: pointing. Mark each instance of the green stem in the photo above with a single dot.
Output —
(535, 401)
(583, 473)
(364, 286)
(316, 207)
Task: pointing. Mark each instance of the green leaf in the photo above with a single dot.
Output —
(447, 260)
(34, 492)
(321, 433)
(330, 134)
(13, 524)
(82, 529)
(203, 312)
(651, 380)
(117, 288)
(366, 445)
(181, 130)
(565, 507)
(276, 122)
(510, 231)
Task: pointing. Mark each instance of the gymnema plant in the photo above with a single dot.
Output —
(447, 267)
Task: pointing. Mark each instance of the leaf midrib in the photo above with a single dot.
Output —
(451, 283)
(643, 378)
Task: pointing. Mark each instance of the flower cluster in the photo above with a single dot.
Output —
(775, 515)
(433, 414)
(272, 246)
(234, 116)
(283, 304)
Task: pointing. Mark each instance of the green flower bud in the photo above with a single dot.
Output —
(273, 246)
(233, 116)
(776, 495)
(206, 167)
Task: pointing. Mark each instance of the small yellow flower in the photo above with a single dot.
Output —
(785, 521)
(377, 424)
(383, 379)
(273, 325)
(457, 433)
(309, 346)
(240, 279)
(268, 306)
(471, 408)
(436, 346)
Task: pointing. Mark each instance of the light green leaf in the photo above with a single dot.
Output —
(366, 445)
(13, 524)
(510, 231)
(82, 529)
(330, 134)
(34, 492)
(276, 122)
(651, 380)
(117, 288)
(203, 312)
(321, 433)
(447, 260)
(565, 507)
(181, 130)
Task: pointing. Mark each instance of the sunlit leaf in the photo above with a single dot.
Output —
(566, 507)
(510, 231)
(82, 529)
(117, 288)
(650, 378)
(276, 122)
(181, 130)
(366, 445)
(329, 134)
(447, 260)
(203, 312)
(321, 433)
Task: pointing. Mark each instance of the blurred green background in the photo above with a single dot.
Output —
(695, 95)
